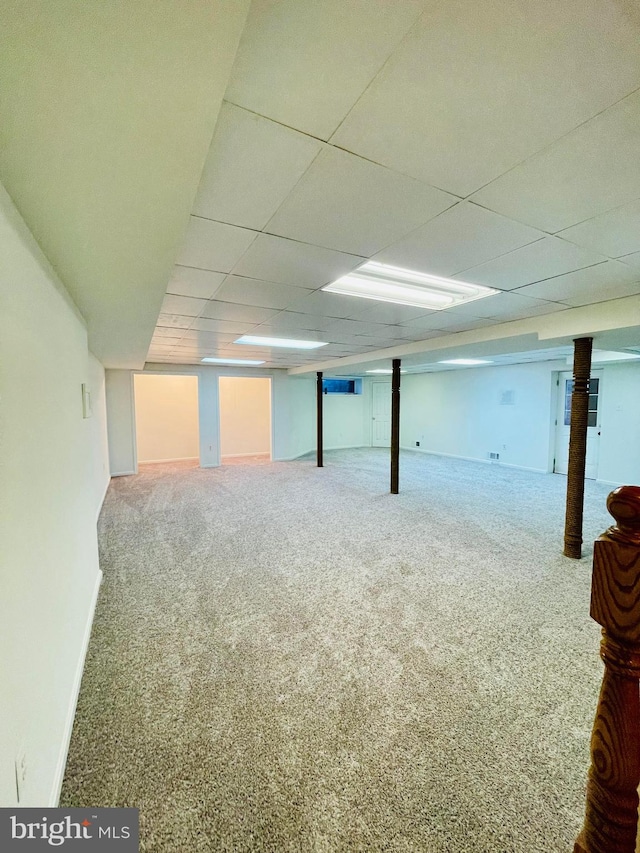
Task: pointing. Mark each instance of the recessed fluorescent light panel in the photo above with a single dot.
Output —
(407, 287)
(383, 370)
(288, 343)
(468, 362)
(246, 362)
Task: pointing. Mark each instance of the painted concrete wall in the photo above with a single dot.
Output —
(511, 410)
(166, 413)
(49, 495)
(245, 415)
(474, 412)
(619, 460)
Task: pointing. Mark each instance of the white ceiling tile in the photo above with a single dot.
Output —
(614, 233)
(263, 294)
(349, 204)
(214, 245)
(374, 311)
(513, 306)
(172, 321)
(587, 172)
(288, 320)
(475, 88)
(204, 324)
(545, 258)
(459, 238)
(609, 280)
(217, 310)
(326, 304)
(186, 305)
(306, 63)
(187, 281)
(253, 164)
(633, 260)
(355, 327)
(298, 264)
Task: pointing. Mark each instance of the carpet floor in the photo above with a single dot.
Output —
(287, 658)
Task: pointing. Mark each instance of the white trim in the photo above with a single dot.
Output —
(313, 450)
(238, 455)
(173, 459)
(123, 473)
(613, 483)
(104, 494)
(75, 691)
(476, 459)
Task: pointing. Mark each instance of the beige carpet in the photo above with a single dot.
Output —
(287, 658)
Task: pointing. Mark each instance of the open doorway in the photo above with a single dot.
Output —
(166, 409)
(245, 420)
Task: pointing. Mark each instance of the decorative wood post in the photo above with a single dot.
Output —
(610, 824)
(319, 419)
(577, 447)
(395, 425)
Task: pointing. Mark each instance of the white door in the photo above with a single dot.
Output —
(381, 414)
(563, 421)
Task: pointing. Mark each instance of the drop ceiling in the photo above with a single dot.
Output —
(492, 142)
(495, 143)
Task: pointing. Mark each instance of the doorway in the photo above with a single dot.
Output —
(166, 411)
(245, 419)
(381, 414)
(563, 421)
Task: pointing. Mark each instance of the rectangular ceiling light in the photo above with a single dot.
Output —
(407, 287)
(289, 343)
(382, 370)
(241, 361)
(465, 361)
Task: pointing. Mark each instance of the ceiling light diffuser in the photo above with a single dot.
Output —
(289, 343)
(465, 361)
(383, 370)
(407, 287)
(241, 361)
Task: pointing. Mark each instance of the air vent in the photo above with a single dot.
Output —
(494, 456)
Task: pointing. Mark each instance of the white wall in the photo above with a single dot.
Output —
(293, 414)
(121, 422)
(166, 412)
(49, 494)
(461, 413)
(619, 458)
(344, 420)
(97, 425)
(245, 415)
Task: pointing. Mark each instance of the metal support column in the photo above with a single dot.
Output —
(577, 447)
(395, 425)
(319, 419)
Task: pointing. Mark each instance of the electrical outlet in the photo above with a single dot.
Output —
(417, 444)
(21, 774)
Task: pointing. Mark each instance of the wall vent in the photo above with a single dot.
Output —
(508, 398)
(494, 456)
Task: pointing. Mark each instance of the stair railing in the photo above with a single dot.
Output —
(611, 819)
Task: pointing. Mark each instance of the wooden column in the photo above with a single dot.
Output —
(395, 425)
(577, 447)
(319, 419)
(611, 818)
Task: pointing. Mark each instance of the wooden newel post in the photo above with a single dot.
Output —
(611, 819)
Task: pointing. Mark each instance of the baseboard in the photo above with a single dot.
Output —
(75, 692)
(475, 459)
(613, 483)
(104, 494)
(122, 473)
(173, 459)
(240, 455)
